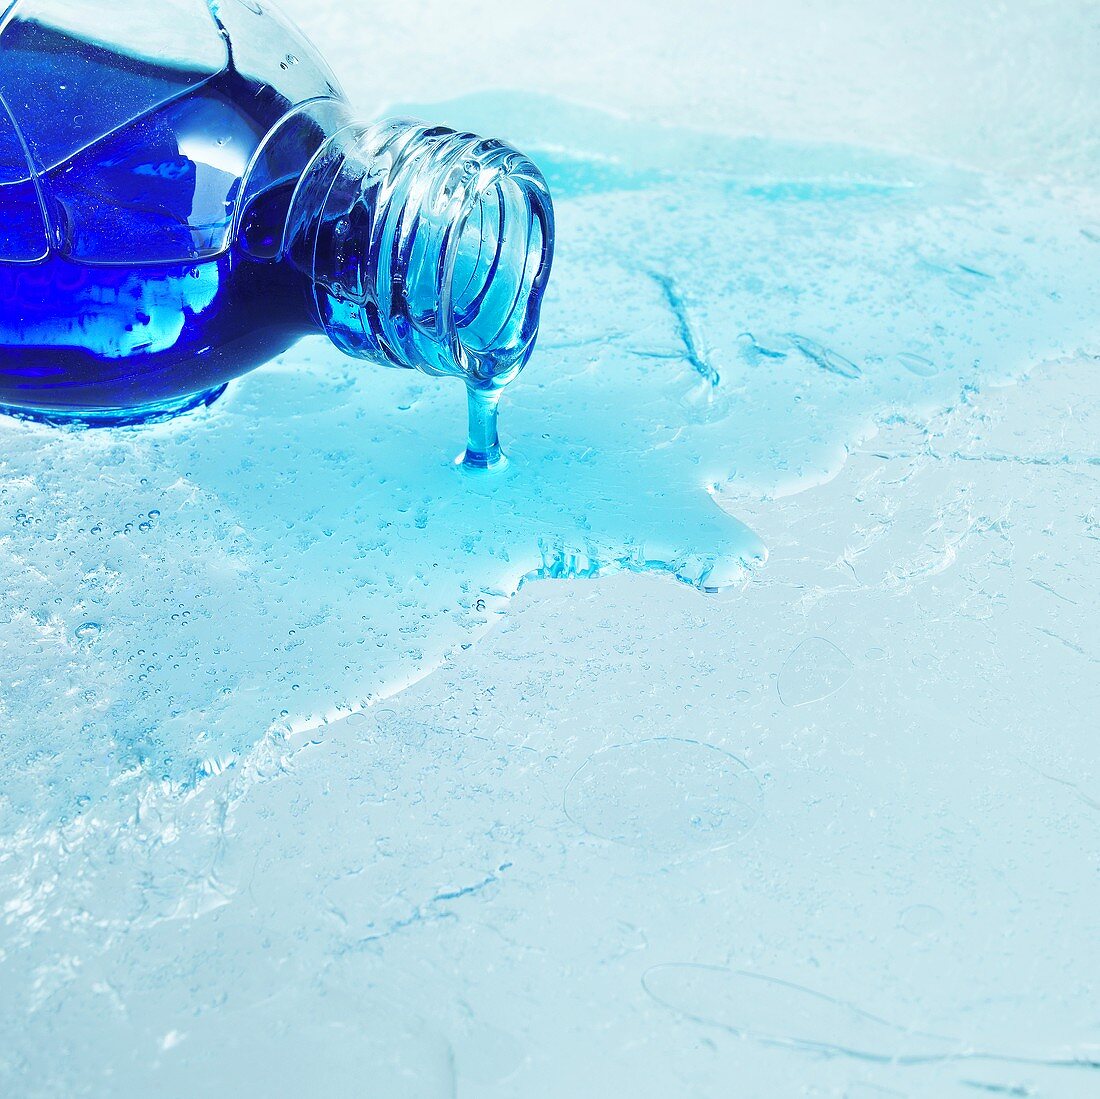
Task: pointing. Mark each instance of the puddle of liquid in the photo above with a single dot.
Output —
(814, 670)
(724, 313)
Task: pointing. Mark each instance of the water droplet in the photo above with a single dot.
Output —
(87, 631)
(814, 670)
(921, 920)
(666, 794)
(918, 364)
(826, 358)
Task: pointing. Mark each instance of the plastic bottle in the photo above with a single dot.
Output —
(184, 193)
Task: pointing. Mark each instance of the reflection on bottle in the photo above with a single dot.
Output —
(184, 196)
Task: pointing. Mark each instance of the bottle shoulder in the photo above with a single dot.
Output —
(133, 147)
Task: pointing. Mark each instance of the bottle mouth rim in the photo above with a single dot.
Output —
(426, 248)
(465, 248)
(495, 265)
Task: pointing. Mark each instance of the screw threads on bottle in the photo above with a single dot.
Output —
(427, 248)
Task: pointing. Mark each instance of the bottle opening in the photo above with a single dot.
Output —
(432, 251)
(494, 292)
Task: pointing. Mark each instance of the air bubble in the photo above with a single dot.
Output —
(87, 631)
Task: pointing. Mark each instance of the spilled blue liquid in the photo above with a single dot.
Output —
(725, 315)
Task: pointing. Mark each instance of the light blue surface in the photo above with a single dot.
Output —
(829, 831)
(744, 322)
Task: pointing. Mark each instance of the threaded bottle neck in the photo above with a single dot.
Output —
(427, 248)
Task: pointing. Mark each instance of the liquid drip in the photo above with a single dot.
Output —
(483, 445)
(725, 317)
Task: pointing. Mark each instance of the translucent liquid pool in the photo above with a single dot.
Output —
(308, 545)
(728, 317)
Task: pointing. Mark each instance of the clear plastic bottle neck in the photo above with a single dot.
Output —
(426, 248)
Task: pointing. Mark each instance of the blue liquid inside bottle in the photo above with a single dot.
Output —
(184, 196)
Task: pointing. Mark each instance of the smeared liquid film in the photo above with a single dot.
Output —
(725, 314)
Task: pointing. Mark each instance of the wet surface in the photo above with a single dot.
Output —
(315, 546)
(833, 822)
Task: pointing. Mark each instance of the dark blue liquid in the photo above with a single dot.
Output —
(256, 313)
(104, 340)
(181, 198)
